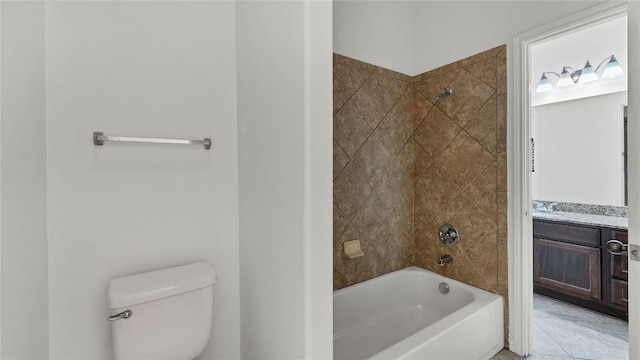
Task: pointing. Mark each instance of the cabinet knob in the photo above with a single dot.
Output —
(616, 247)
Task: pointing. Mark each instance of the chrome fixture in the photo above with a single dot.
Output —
(585, 75)
(99, 139)
(617, 247)
(123, 315)
(444, 287)
(543, 207)
(445, 92)
(444, 260)
(448, 235)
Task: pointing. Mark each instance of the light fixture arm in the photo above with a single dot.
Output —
(603, 61)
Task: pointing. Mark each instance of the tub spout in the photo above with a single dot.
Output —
(444, 260)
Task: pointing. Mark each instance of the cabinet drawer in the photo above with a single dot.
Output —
(567, 233)
(619, 293)
(620, 263)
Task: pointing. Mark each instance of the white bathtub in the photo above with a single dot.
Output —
(403, 315)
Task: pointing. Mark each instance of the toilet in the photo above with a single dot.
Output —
(163, 314)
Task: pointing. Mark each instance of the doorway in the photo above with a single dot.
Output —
(578, 193)
(520, 161)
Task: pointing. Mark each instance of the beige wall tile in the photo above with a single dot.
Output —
(422, 161)
(392, 86)
(373, 184)
(373, 101)
(470, 94)
(397, 126)
(350, 129)
(483, 128)
(501, 72)
(436, 132)
(435, 85)
(421, 107)
(483, 190)
(484, 70)
(464, 159)
(340, 159)
(419, 165)
(439, 71)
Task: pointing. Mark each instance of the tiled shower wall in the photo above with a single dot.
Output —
(404, 164)
(460, 169)
(373, 169)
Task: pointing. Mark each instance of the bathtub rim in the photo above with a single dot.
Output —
(482, 299)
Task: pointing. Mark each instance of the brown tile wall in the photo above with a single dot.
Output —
(460, 167)
(404, 165)
(372, 169)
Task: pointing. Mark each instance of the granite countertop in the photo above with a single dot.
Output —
(615, 222)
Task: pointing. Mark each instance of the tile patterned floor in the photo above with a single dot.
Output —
(564, 331)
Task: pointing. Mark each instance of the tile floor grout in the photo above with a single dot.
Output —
(593, 336)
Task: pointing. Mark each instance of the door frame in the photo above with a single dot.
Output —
(520, 236)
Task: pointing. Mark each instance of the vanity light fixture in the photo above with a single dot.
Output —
(566, 80)
(587, 74)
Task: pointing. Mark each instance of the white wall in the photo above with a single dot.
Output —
(318, 251)
(377, 32)
(440, 32)
(285, 152)
(446, 31)
(578, 147)
(147, 69)
(23, 202)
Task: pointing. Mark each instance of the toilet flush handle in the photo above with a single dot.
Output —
(123, 315)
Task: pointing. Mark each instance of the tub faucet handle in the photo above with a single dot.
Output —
(448, 235)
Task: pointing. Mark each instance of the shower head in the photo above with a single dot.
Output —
(447, 91)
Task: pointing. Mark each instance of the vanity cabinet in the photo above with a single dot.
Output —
(567, 259)
(571, 263)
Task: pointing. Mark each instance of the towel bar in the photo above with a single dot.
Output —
(99, 139)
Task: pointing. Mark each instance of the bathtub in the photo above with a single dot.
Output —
(403, 315)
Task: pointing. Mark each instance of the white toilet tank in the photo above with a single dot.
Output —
(170, 313)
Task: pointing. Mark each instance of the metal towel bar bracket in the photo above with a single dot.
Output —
(99, 139)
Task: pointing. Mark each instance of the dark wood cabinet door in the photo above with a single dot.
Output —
(569, 268)
(619, 293)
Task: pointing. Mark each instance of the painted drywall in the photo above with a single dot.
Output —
(23, 202)
(284, 122)
(412, 37)
(578, 150)
(159, 69)
(451, 30)
(594, 44)
(318, 200)
(377, 32)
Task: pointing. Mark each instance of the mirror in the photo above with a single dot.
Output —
(580, 150)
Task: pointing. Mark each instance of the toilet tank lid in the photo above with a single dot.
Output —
(154, 285)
